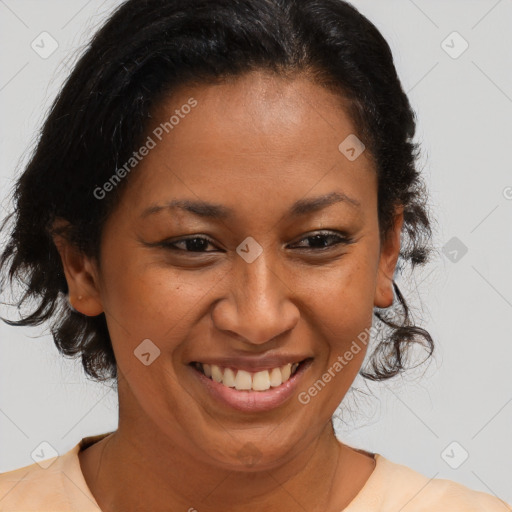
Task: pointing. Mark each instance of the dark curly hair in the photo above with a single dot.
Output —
(141, 54)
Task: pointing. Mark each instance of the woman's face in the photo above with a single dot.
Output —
(253, 289)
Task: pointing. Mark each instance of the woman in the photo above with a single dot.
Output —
(212, 217)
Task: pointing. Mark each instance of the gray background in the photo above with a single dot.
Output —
(464, 108)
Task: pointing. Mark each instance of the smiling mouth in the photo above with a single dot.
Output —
(242, 380)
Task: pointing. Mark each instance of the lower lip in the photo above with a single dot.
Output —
(253, 401)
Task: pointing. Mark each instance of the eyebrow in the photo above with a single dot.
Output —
(217, 211)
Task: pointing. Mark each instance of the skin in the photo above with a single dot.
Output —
(255, 144)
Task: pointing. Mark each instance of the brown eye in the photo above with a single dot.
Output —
(325, 240)
(196, 244)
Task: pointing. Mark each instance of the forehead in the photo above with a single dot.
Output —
(255, 107)
(253, 137)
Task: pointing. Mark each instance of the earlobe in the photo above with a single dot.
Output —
(81, 277)
(89, 305)
(390, 251)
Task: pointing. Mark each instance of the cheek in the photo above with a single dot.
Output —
(343, 312)
(154, 301)
(345, 296)
(345, 309)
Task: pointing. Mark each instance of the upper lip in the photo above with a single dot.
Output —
(253, 363)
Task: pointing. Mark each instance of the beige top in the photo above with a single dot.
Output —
(61, 487)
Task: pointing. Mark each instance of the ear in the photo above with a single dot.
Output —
(390, 250)
(81, 274)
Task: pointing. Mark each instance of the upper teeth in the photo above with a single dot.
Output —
(243, 380)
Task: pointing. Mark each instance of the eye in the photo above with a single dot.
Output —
(192, 244)
(320, 241)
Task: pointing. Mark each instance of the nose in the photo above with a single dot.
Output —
(258, 305)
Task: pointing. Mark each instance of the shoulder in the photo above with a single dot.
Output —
(394, 487)
(55, 484)
(423, 493)
(32, 486)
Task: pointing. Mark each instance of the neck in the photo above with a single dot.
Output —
(308, 481)
(143, 467)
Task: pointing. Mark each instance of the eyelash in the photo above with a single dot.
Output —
(341, 239)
